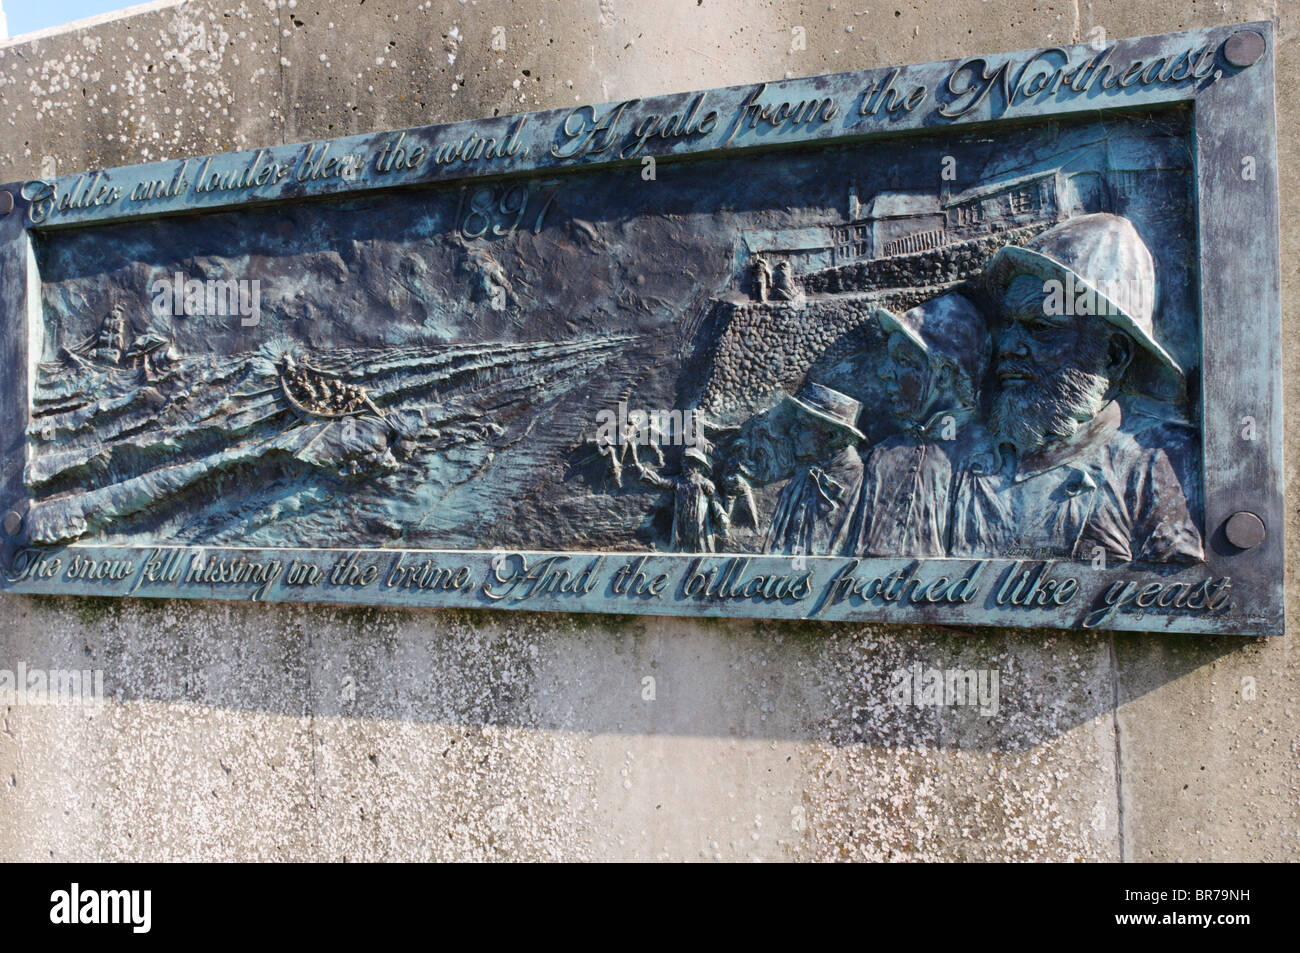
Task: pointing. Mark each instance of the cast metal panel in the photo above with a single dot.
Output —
(982, 342)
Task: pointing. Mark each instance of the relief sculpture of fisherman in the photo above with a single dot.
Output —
(700, 521)
(814, 509)
(1079, 473)
(936, 357)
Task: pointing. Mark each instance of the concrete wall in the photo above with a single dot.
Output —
(237, 732)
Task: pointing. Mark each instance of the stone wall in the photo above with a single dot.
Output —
(239, 732)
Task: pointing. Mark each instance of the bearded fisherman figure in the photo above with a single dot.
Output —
(1077, 474)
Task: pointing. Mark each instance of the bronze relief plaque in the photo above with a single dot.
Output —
(984, 342)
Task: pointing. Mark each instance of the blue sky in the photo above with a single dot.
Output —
(28, 15)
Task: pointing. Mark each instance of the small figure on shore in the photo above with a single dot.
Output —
(784, 285)
(762, 278)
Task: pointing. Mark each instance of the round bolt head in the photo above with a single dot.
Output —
(6, 202)
(1244, 530)
(1243, 48)
(13, 522)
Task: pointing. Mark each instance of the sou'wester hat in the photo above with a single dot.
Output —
(945, 329)
(1104, 254)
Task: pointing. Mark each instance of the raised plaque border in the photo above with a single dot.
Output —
(1240, 311)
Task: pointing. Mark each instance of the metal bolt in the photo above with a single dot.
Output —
(1244, 530)
(13, 522)
(1243, 48)
(6, 202)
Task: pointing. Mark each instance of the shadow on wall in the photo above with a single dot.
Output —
(904, 687)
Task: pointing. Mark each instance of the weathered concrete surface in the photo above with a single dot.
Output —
(1207, 772)
(183, 79)
(273, 731)
(236, 731)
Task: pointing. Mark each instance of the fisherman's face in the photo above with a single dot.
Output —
(807, 439)
(906, 375)
(1054, 370)
(814, 439)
